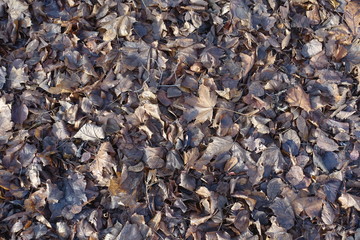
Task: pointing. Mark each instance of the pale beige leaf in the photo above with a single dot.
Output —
(204, 104)
(348, 200)
(5, 120)
(90, 132)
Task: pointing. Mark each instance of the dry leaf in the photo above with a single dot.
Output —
(352, 16)
(297, 97)
(348, 200)
(204, 104)
(103, 164)
(5, 120)
(90, 132)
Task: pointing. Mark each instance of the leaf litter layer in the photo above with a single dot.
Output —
(179, 119)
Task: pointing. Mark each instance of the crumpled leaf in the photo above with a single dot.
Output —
(348, 200)
(240, 10)
(90, 132)
(153, 157)
(120, 26)
(67, 200)
(216, 147)
(210, 57)
(297, 97)
(103, 164)
(272, 160)
(310, 205)
(204, 104)
(291, 142)
(327, 214)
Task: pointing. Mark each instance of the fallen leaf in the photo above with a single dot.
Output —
(5, 120)
(348, 200)
(283, 212)
(352, 16)
(311, 48)
(204, 104)
(327, 214)
(297, 97)
(103, 165)
(90, 132)
(326, 143)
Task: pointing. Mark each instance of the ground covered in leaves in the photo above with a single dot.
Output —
(195, 119)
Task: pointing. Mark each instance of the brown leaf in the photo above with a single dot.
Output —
(310, 205)
(216, 147)
(242, 220)
(203, 104)
(283, 212)
(297, 97)
(295, 175)
(103, 164)
(153, 157)
(352, 16)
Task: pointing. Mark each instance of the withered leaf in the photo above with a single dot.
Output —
(242, 220)
(311, 48)
(176, 119)
(283, 212)
(90, 132)
(291, 142)
(297, 97)
(295, 175)
(274, 188)
(188, 182)
(326, 143)
(216, 147)
(331, 188)
(272, 160)
(327, 214)
(348, 200)
(103, 164)
(153, 157)
(352, 16)
(2, 76)
(204, 104)
(5, 120)
(310, 205)
(68, 200)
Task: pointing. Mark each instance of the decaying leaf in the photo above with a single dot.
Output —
(179, 119)
(90, 132)
(283, 212)
(103, 165)
(348, 200)
(204, 104)
(352, 16)
(5, 120)
(297, 97)
(216, 147)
